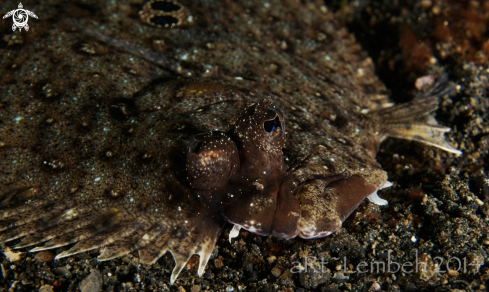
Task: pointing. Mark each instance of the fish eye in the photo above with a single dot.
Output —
(270, 126)
(273, 124)
(211, 159)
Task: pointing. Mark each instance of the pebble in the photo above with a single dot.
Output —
(44, 256)
(375, 286)
(276, 271)
(46, 288)
(92, 283)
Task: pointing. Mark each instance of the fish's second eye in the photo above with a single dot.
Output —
(273, 124)
(270, 126)
(211, 160)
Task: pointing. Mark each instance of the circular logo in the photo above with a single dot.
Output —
(20, 17)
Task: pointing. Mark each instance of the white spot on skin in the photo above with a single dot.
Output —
(258, 186)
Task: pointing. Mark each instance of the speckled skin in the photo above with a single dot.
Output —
(102, 156)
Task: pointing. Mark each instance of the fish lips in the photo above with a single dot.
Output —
(252, 210)
(316, 208)
(271, 210)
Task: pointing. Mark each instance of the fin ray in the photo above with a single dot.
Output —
(415, 120)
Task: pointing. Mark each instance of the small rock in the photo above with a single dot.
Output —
(248, 266)
(339, 276)
(11, 256)
(480, 186)
(411, 287)
(271, 259)
(63, 272)
(44, 256)
(276, 271)
(92, 283)
(312, 279)
(46, 288)
(218, 263)
(426, 4)
(375, 286)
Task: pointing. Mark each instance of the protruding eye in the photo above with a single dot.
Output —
(270, 126)
(273, 124)
(211, 160)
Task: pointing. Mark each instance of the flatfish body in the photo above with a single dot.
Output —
(151, 132)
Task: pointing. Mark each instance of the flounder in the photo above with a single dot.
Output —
(265, 115)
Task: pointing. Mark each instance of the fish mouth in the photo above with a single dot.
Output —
(251, 211)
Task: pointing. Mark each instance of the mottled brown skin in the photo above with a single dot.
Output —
(102, 150)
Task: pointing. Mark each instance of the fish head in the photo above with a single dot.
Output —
(241, 171)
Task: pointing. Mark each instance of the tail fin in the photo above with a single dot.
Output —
(414, 120)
